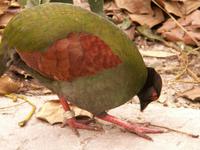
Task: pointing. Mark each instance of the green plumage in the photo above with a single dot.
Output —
(37, 28)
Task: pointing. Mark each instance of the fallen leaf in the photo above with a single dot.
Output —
(14, 4)
(110, 6)
(192, 94)
(125, 24)
(135, 6)
(82, 3)
(147, 32)
(5, 18)
(191, 5)
(149, 19)
(156, 53)
(96, 6)
(180, 8)
(174, 33)
(191, 20)
(130, 32)
(3, 6)
(8, 85)
(52, 112)
(173, 7)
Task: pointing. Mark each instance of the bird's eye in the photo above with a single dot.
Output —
(154, 95)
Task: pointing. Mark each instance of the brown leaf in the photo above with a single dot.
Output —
(14, 4)
(192, 20)
(181, 8)
(156, 53)
(5, 18)
(82, 3)
(149, 19)
(135, 6)
(191, 5)
(191, 23)
(192, 94)
(8, 85)
(4, 4)
(52, 112)
(130, 32)
(110, 6)
(173, 7)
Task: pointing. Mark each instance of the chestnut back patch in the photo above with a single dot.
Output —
(77, 55)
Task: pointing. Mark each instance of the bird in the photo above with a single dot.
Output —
(83, 58)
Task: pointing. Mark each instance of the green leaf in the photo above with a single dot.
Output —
(22, 2)
(62, 1)
(96, 6)
(125, 24)
(147, 32)
(32, 3)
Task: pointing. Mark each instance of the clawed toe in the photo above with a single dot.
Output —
(74, 125)
(138, 129)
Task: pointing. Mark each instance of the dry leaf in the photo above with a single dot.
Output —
(4, 4)
(5, 18)
(181, 8)
(14, 4)
(191, 20)
(8, 85)
(110, 6)
(173, 7)
(192, 94)
(191, 5)
(52, 112)
(82, 3)
(150, 19)
(156, 53)
(130, 32)
(191, 23)
(135, 6)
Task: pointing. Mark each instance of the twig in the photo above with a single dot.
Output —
(172, 46)
(193, 50)
(197, 43)
(174, 130)
(28, 117)
(184, 70)
(186, 81)
(6, 107)
(193, 75)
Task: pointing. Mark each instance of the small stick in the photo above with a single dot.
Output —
(6, 107)
(174, 130)
(28, 117)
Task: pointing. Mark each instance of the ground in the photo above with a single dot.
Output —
(169, 111)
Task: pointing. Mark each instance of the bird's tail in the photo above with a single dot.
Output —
(5, 58)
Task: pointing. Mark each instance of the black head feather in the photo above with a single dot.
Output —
(151, 89)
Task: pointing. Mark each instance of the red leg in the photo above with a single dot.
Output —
(70, 120)
(131, 127)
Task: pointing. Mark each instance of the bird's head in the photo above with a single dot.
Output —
(151, 89)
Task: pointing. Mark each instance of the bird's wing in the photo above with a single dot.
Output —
(77, 55)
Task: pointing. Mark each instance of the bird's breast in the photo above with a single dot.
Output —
(77, 55)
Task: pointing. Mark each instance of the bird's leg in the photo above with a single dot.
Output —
(70, 120)
(138, 129)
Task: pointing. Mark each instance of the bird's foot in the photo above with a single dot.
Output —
(138, 129)
(75, 124)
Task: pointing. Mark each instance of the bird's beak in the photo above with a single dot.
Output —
(143, 105)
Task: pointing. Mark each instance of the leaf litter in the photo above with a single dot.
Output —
(119, 10)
